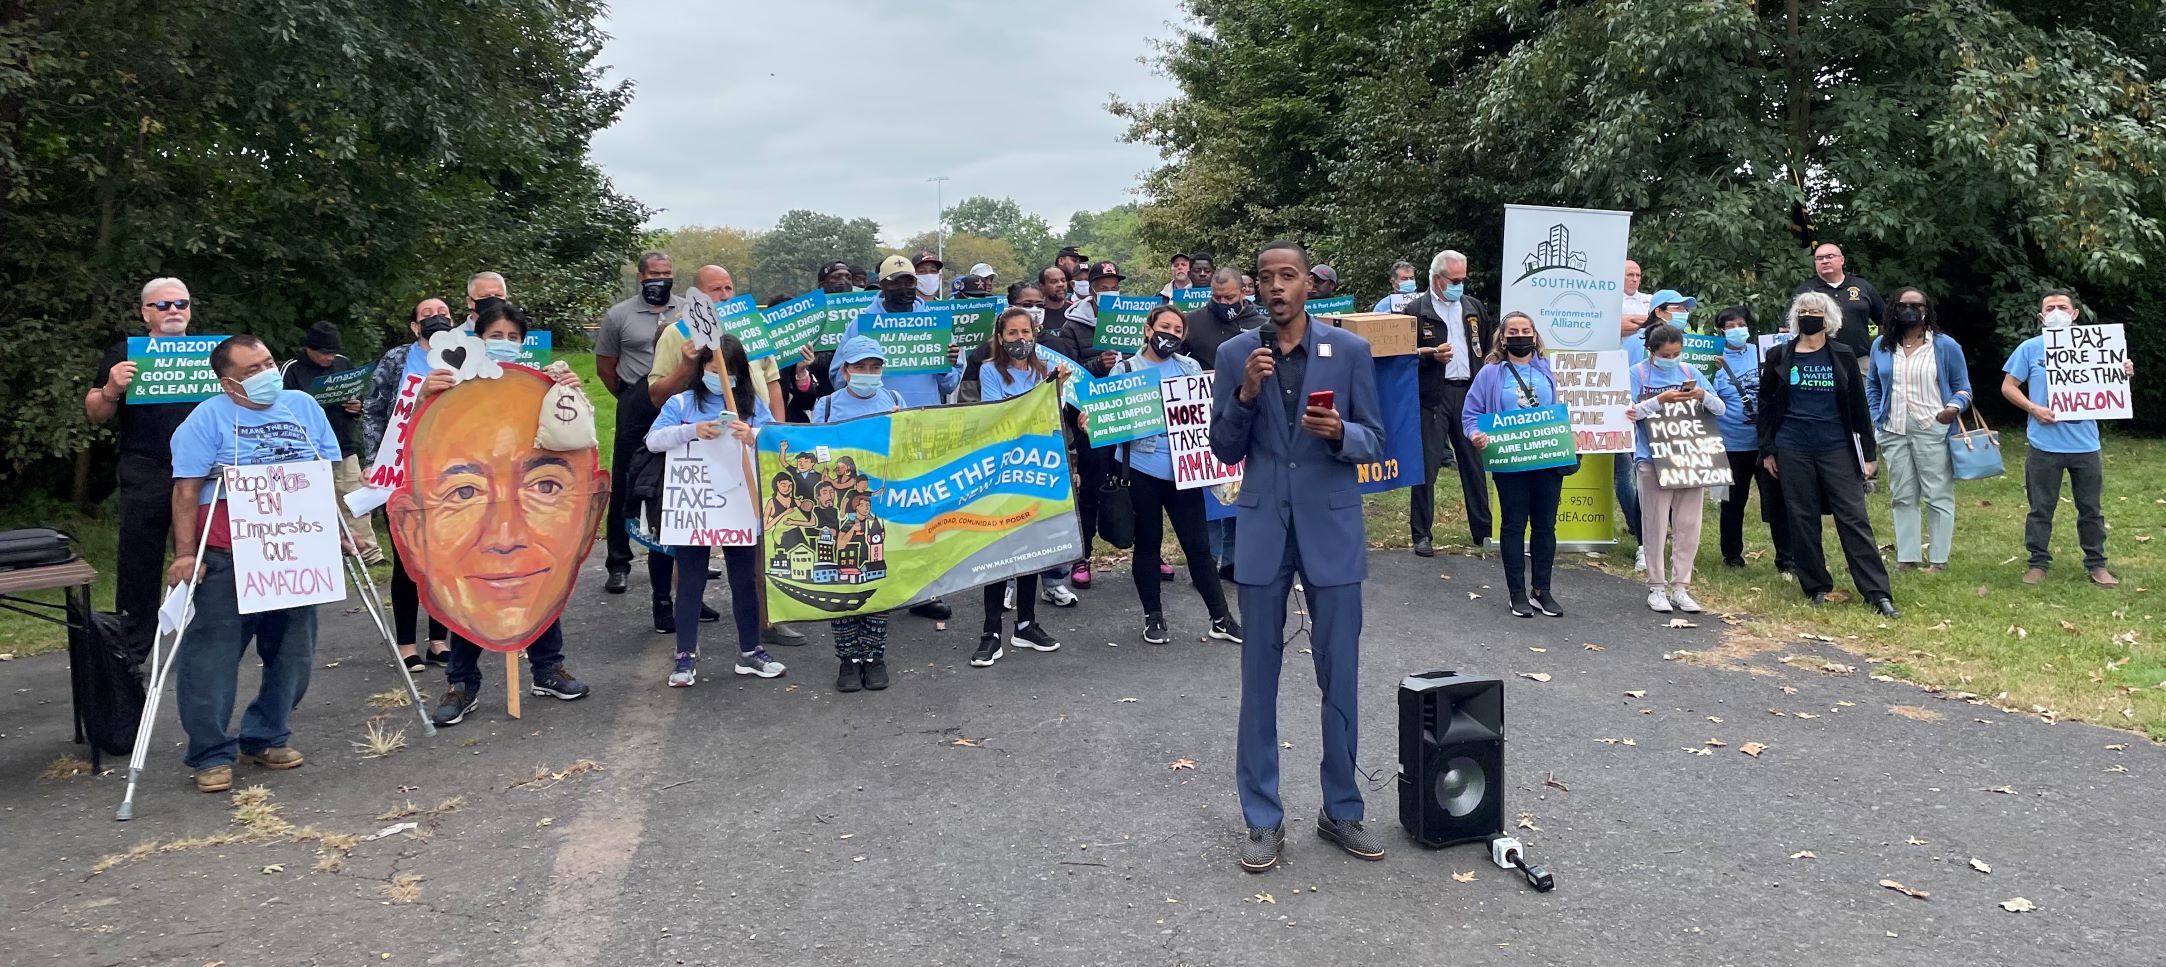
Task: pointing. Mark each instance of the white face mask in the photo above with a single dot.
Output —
(2058, 319)
(929, 283)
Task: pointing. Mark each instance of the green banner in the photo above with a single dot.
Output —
(535, 349)
(172, 369)
(1117, 409)
(740, 317)
(842, 309)
(914, 342)
(1120, 321)
(1192, 298)
(1337, 305)
(881, 512)
(795, 324)
(341, 387)
(1529, 439)
(1703, 352)
(973, 319)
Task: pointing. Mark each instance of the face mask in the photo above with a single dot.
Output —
(928, 283)
(1017, 349)
(713, 381)
(898, 300)
(262, 388)
(1037, 315)
(1453, 291)
(1164, 343)
(433, 325)
(1519, 345)
(1222, 311)
(502, 350)
(1811, 325)
(2058, 319)
(1679, 318)
(864, 384)
(836, 286)
(1405, 287)
(1909, 314)
(655, 292)
(1667, 364)
(1737, 338)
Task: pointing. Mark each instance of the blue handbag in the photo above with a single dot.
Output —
(1976, 454)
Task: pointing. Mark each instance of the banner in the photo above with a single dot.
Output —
(740, 317)
(914, 342)
(1398, 397)
(1703, 352)
(1188, 428)
(1334, 306)
(1122, 407)
(973, 325)
(881, 512)
(1120, 321)
(1565, 269)
(284, 523)
(1191, 298)
(388, 471)
(2084, 378)
(701, 321)
(172, 369)
(1686, 447)
(842, 309)
(1599, 392)
(706, 500)
(535, 349)
(1531, 439)
(343, 387)
(794, 324)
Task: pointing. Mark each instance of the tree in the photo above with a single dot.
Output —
(690, 248)
(965, 250)
(785, 257)
(1116, 234)
(1028, 235)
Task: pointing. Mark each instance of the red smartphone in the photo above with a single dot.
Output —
(1323, 398)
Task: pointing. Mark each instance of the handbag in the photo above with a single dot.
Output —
(1116, 506)
(34, 547)
(1976, 454)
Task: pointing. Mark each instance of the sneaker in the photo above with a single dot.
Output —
(1007, 597)
(1547, 604)
(851, 677)
(935, 609)
(1639, 561)
(1226, 629)
(988, 651)
(1165, 571)
(1033, 637)
(558, 682)
(1154, 628)
(415, 663)
(686, 673)
(1521, 607)
(275, 757)
(1080, 575)
(214, 779)
(665, 619)
(1350, 836)
(759, 662)
(1682, 598)
(876, 674)
(1059, 596)
(454, 706)
(782, 636)
(1260, 851)
(708, 616)
(1659, 602)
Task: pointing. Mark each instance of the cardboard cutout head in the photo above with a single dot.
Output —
(492, 528)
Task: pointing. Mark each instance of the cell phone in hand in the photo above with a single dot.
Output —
(1323, 398)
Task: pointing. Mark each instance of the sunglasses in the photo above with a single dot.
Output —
(164, 305)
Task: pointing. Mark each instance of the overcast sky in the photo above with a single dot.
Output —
(743, 111)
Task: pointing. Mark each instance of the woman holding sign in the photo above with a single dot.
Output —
(708, 410)
(1016, 368)
(1525, 498)
(1673, 513)
(1151, 489)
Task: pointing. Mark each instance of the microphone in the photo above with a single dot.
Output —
(1269, 333)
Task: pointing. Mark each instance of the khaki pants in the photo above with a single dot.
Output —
(345, 479)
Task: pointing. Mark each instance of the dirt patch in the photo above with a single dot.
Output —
(1914, 712)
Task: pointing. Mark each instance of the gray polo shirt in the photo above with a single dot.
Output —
(628, 332)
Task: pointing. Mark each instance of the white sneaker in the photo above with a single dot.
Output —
(1059, 596)
(1639, 561)
(1683, 600)
(1658, 602)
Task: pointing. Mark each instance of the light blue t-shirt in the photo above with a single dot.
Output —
(844, 405)
(223, 433)
(992, 388)
(2028, 365)
(1154, 455)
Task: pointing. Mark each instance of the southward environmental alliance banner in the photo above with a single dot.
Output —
(1564, 268)
(883, 512)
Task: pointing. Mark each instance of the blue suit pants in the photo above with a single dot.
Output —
(1335, 623)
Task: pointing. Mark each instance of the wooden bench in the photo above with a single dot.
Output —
(72, 579)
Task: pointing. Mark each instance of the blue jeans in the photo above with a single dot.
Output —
(208, 669)
(1220, 534)
(743, 566)
(1626, 482)
(464, 670)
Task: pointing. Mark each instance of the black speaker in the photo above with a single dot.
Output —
(1451, 757)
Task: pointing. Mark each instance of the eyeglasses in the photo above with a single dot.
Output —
(163, 305)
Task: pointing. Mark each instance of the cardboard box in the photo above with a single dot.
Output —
(1388, 333)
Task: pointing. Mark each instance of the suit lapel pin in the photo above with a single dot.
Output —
(1323, 349)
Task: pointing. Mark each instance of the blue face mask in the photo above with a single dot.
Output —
(713, 381)
(1453, 291)
(1737, 337)
(1667, 364)
(1680, 318)
(1406, 286)
(262, 388)
(503, 350)
(864, 384)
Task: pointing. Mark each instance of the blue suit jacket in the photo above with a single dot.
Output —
(1294, 475)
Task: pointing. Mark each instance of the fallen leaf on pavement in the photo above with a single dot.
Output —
(1680, 623)
(545, 821)
(2116, 747)
(1804, 854)
(1718, 743)
(1467, 877)
(1591, 646)
(2018, 905)
(1125, 701)
(1808, 715)
(1636, 693)
(1904, 890)
(967, 743)
(1980, 865)
(2118, 768)
(1913, 841)
(1789, 690)
(1535, 676)
(1526, 821)
(1536, 650)
(275, 868)
(1701, 751)
(1266, 898)
(1552, 782)
(1715, 719)
(1752, 749)
(1471, 596)
(2004, 790)
(1180, 764)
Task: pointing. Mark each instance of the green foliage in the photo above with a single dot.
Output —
(1029, 238)
(689, 248)
(785, 257)
(292, 160)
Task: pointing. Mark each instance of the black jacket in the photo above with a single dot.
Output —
(1205, 332)
(1849, 397)
(1862, 310)
(1071, 338)
(1429, 331)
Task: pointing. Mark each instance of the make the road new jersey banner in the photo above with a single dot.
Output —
(882, 512)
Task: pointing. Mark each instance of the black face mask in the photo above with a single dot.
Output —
(655, 292)
(433, 325)
(1519, 345)
(836, 286)
(1909, 315)
(1017, 349)
(1163, 344)
(1223, 311)
(899, 300)
(484, 304)
(1811, 325)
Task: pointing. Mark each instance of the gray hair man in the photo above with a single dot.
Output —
(1453, 331)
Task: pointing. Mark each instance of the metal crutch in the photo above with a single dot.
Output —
(357, 571)
(159, 669)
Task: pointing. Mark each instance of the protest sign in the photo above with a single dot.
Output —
(1120, 321)
(1703, 352)
(1565, 270)
(794, 324)
(914, 342)
(1596, 388)
(701, 321)
(706, 500)
(343, 387)
(1768, 341)
(880, 512)
(842, 309)
(1686, 447)
(284, 522)
(1398, 401)
(535, 349)
(1191, 298)
(172, 369)
(388, 471)
(2084, 376)
(740, 317)
(1336, 305)
(1123, 407)
(1187, 402)
(973, 319)
(1536, 438)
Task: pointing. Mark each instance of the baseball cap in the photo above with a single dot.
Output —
(1176, 257)
(861, 348)
(981, 271)
(1071, 250)
(1106, 270)
(1670, 297)
(833, 267)
(896, 265)
(924, 257)
(1325, 272)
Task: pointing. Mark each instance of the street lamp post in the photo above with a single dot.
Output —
(940, 216)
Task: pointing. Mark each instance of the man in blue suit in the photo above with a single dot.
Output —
(1299, 511)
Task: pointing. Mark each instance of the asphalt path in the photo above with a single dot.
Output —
(1030, 813)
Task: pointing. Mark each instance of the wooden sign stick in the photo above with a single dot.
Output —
(511, 683)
